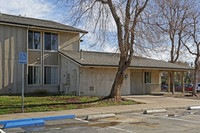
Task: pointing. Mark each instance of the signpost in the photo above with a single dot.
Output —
(22, 60)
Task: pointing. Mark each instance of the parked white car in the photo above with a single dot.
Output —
(198, 87)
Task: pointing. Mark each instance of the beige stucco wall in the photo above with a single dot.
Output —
(43, 89)
(69, 77)
(98, 81)
(155, 85)
(137, 81)
(12, 41)
(50, 58)
(69, 41)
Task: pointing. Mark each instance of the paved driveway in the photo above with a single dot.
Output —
(163, 101)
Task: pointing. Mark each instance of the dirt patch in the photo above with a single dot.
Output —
(147, 124)
(103, 125)
(42, 127)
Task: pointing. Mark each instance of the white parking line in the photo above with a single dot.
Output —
(181, 119)
(178, 119)
(1, 131)
(124, 130)
(81, 120)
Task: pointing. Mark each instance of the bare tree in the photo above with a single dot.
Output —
(193, 44)
(170, 19)
(125, 15)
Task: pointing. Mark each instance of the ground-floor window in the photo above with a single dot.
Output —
(147, 76)
(33, 74)
(50, 75)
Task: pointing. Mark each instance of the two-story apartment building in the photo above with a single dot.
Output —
(41, 40)
(56, 64)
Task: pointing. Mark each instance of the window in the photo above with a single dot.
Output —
(50, 75)
(51, 41)
(33, 40)
(147, 77)
(33, 74)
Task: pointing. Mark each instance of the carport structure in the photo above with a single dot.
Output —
(170, 83)
(149, 77)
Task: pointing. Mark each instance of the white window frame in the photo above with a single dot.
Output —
(57, 75)
(51, 41)
(33, 40)
(39, 75)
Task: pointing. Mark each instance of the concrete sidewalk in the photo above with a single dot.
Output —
(152, 102)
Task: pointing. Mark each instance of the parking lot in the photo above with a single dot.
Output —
(174, 120)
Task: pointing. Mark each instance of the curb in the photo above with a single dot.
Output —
(155, 111)
(99, 116)
(194, 108)
(32, 121)
(132, 111)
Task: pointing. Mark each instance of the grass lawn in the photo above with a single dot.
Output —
(12, 104)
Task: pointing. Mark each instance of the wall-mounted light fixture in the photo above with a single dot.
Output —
(125, 76)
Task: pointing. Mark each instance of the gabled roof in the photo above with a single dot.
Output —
(39, 23)
(112, 59)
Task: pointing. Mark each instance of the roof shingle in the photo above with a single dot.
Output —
(26, 21)
(112, 59)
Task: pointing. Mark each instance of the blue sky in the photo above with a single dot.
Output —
(46, 9)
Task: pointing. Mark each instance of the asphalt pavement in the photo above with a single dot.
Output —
(129, 118)
(174, 121)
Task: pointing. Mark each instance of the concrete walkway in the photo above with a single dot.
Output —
(152, 102)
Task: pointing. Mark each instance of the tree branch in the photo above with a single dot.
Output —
(119, 26)
(103, 1)
(188, 48)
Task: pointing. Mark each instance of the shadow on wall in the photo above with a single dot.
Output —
(10, 69)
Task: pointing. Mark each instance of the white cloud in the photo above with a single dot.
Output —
(30, 8)
(93, 43)
(163, 53)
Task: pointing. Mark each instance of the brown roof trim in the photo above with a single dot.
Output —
(163, 68)
(36, 26)
(70, 58)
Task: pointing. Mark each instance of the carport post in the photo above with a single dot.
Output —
(182, 82)
(168, 81)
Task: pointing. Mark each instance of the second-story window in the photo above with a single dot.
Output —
(33, 40)
(51, 41)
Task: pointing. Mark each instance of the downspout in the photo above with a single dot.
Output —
(79, 68)
(80, 39)
(27, 61)
(79, 81)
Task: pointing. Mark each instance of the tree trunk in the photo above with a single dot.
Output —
(194, 92)
(117, 86)
(115, 92)
(172, 82)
